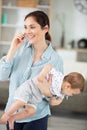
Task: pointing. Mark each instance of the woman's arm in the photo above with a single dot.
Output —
(43, 74)
(27, 112)
(14, 107)
(15, 45)
(6, 62)
(43, 83)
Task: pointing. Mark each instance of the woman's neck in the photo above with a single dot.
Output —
(39, 50)
(40, 47)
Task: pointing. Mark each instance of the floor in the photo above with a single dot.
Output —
(65, 121)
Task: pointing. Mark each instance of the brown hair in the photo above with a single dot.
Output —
(42, 19)
(76, 80)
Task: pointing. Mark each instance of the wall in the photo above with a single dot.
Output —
(0, 15)
(74, 22)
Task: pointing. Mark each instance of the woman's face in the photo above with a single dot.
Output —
(33, 31)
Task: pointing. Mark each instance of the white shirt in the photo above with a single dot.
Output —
(57, 80)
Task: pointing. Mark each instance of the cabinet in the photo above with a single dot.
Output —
(12, 17)
(44, 5)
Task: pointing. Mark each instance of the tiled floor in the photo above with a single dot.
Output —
(68, 121)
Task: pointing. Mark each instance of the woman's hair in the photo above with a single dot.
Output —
(76, 80)
(42, 19)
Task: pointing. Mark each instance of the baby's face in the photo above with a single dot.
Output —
(67, 90)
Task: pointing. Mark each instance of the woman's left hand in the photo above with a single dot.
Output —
(45, 85)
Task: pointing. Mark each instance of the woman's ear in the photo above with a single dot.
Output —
(46, 28)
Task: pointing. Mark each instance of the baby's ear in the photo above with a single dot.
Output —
(68, 85)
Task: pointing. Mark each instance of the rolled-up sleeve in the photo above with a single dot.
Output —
(5, 68)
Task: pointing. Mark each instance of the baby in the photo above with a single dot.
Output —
(30, 93)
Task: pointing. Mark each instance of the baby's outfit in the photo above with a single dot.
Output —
(30, 94)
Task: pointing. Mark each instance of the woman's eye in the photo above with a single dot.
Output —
(25, 27)
(32, 27)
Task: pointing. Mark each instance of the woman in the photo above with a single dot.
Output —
(28, 54)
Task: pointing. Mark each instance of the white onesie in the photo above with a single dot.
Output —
(29, 93)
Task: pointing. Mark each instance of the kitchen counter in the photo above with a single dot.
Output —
(82, 55)
(77, 54)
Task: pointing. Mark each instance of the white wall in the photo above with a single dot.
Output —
(75, 23)
(71, 64)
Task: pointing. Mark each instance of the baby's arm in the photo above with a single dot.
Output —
(15, 106)
(43, 83)
(55, 101)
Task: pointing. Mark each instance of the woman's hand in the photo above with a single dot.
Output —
(15, 45)
(17, 41)
(4, 118)
(11, 123)
(44, 86)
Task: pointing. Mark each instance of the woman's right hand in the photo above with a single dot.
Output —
(4, 118)
(17, 41)
(15, 45)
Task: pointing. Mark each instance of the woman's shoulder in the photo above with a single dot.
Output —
(56, 56)
(56, 61)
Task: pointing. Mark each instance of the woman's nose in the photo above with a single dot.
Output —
(28, 30)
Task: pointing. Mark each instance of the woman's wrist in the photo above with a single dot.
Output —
(10, 55)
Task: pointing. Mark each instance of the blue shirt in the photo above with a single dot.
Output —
(21, 68)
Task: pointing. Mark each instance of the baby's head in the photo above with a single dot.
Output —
(73, 84)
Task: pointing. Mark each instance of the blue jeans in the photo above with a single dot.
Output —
(40, 124)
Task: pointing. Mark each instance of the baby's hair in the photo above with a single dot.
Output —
(76, 80)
